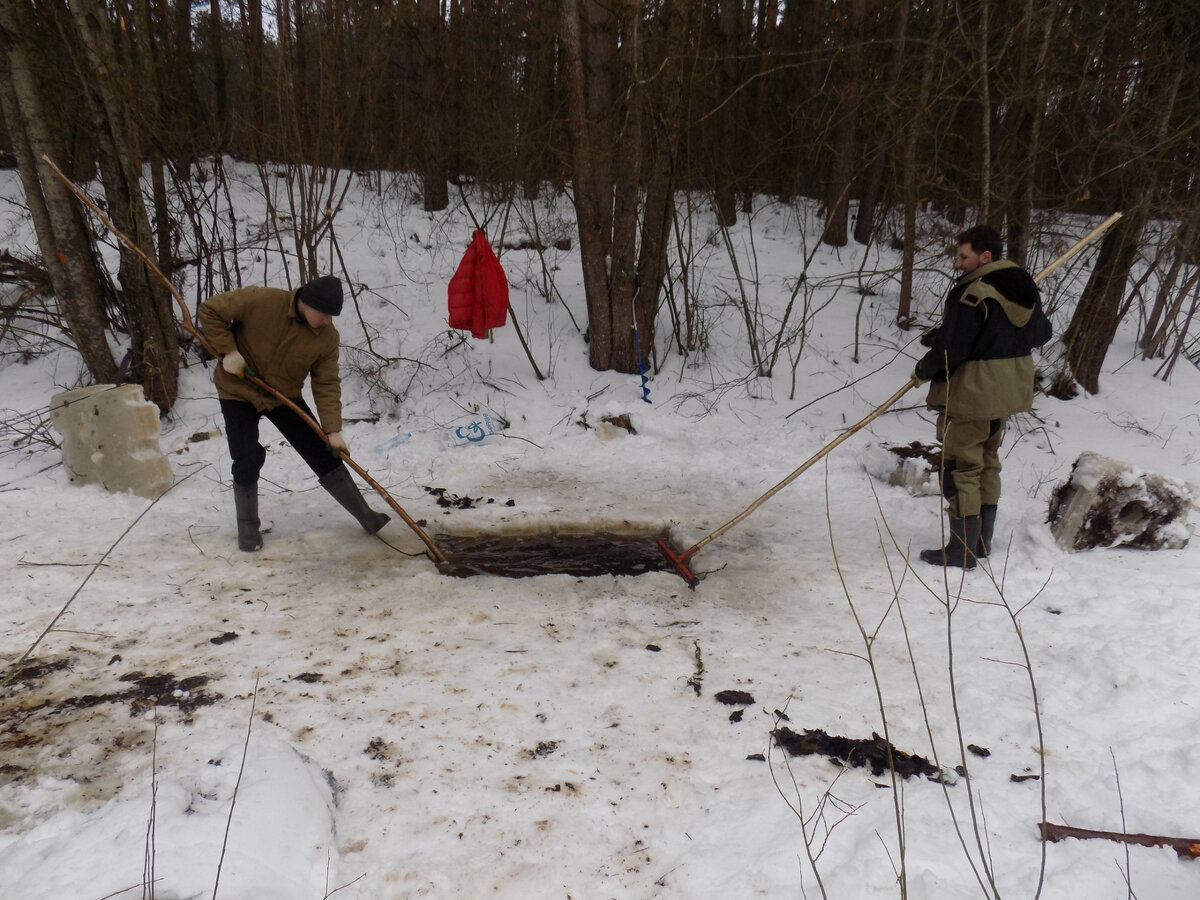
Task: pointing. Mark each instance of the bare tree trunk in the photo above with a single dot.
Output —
(144, 300)
(1181, 342)
(727, 136)
(608, 146)
(249, 133)
(593, 243)
(538, 127)
(872, 193)
(1022, 73)
(767, 27)
(146, 74)
(299, 61)
(1094, 324)
(1164, 311)
(62, 232)
(177, 65)
(600, 50)
(985, 141)
(842, 166)
(660, 180)
(222, 129)
(432, 79)
(909, 173)
(627, 183)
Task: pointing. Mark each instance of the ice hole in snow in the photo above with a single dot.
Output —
(557, 553)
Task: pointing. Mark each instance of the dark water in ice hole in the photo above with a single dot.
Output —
(522, 556)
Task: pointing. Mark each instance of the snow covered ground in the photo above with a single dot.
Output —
(332, 716)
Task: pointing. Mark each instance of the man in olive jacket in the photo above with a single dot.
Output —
(284, 338)
(981, 372)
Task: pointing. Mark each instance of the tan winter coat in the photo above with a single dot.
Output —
(278, 345)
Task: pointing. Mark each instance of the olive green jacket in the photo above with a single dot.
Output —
(279, 347)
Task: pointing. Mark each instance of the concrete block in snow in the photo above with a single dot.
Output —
(110, 437)
(1108, 503)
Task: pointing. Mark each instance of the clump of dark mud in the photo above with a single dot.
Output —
(877, 753)
(37, 670)
(145, 691)
(454, 501)
(148, 691)
(932, 455)
(735, 698)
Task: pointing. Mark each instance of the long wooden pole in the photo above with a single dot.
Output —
(190, 327)
(1079, 245)
(878, 411)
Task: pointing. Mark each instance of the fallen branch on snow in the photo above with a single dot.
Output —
(1187, 848)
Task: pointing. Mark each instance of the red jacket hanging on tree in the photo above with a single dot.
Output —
(478, 292)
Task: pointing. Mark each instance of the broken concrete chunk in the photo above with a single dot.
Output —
(110, 437)
(1108, 503)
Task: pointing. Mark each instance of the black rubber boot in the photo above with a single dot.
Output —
(964, 534)
(343, 489)
(245, 501)
(987, 525)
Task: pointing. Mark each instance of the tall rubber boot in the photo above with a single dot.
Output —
(960, 549)
(343, 489)
(245, 502)
(987, 525)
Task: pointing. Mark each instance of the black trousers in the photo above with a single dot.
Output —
(241, 430)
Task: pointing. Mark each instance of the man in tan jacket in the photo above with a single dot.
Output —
(283, 338)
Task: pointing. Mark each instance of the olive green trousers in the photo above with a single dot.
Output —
(970, 462)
